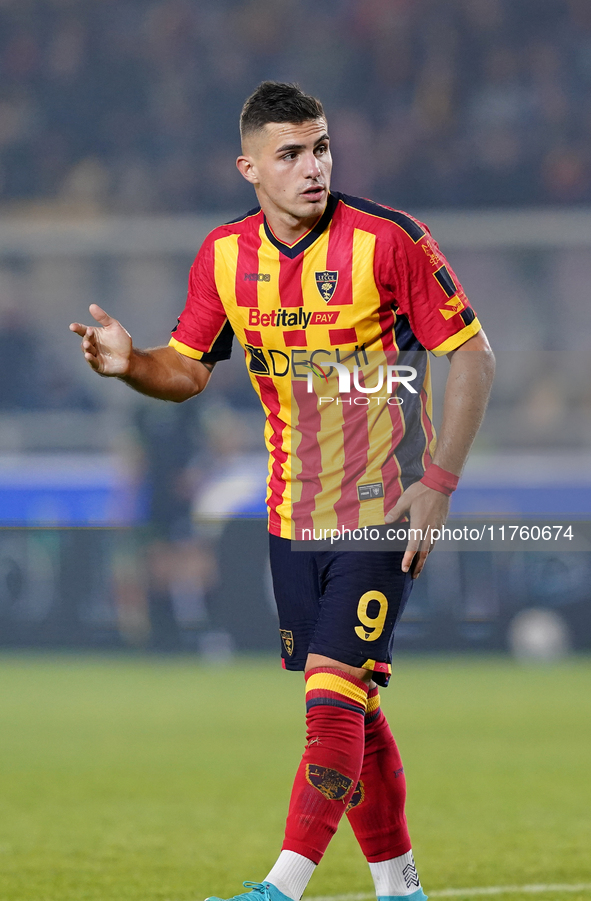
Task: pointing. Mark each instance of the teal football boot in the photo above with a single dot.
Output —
(419, 895)
(259, 891)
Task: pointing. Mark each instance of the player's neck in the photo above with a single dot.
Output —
(287, 228)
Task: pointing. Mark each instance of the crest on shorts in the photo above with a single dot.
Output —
(287, 639)
(326, 283)
(332, 784)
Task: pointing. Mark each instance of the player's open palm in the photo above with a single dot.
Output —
(107, 347)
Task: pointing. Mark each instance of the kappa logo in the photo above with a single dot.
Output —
(287, 639)
(326, 282)
(332, 784)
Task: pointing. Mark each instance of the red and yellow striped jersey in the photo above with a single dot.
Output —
(366, 287)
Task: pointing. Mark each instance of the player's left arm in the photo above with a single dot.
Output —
(472, 368)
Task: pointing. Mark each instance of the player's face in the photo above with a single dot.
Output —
(289, 166)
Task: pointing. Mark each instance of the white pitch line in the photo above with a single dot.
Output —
(458, 892)
(506, 889)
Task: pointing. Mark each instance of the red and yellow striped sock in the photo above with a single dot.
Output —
(331, 764)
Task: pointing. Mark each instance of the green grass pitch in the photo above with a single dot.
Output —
(137, 779)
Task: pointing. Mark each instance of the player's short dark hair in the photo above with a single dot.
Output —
(275, 101)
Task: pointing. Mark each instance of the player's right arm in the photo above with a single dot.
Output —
(160, 372)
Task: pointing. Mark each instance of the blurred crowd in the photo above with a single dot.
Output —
(132, 105)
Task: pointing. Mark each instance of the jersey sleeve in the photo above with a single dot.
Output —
(429, 293)
(203, 331)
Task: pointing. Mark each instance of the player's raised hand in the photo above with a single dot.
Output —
(427, 510)
(107, 347)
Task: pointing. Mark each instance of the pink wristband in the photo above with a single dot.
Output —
(440, 479)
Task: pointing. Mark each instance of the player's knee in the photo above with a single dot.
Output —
(317, 660)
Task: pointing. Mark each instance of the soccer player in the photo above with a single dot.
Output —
(313, 281)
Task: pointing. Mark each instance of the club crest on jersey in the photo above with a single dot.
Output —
(332, 784)
(326, 283)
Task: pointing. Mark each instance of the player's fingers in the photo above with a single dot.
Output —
(90, 338)
(396, 512)
(78, 328)
(89, 347)
(417, 551)
(411, 549)
(100, 315)
(419, 562)
(92, 361)
(425, 548)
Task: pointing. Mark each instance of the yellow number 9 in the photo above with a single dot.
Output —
(373, 626)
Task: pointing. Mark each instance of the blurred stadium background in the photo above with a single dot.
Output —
(118, 134)
(136, 527)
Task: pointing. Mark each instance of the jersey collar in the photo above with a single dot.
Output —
(292, 250)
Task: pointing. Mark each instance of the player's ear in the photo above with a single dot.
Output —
(247, 168)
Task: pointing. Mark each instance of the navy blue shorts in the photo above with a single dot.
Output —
(340, 604)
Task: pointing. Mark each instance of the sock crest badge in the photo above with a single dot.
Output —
(357, 797)
(332, 784)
